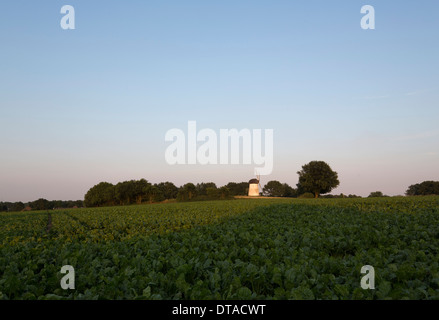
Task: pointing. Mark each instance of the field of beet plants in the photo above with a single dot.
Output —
(234, 249)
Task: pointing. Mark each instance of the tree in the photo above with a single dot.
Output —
(17, 206)
(376, 194)
(154, 194)
(318, 178)
(273, 188)
(125, 192)
(201, 188)
(212, 193)
(3, 207)
(289, 191)
(423, 189)
(168, 189)
(187, 192)
(99, 195)
(190, 190)
(238, 189)
(140, 190)
(41, 204)
(182, 195)
(224, 192)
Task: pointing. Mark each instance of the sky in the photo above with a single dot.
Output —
(93, 104)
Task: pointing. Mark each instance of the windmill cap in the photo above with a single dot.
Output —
(254, 181)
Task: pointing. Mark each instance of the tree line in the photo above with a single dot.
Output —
(142, 191)
(315, 179)
(40, 204)
(426, 188)
(423, 189)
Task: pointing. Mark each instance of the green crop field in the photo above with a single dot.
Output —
(237, 249)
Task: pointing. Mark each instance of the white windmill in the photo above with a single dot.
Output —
(253, 188)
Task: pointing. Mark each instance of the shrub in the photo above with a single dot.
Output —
(307, 195)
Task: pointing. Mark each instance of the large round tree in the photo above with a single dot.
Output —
(274, 188)
(317, 177)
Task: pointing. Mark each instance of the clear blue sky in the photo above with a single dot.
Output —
(93, 104)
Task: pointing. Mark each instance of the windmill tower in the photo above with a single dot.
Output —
(253, 188)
